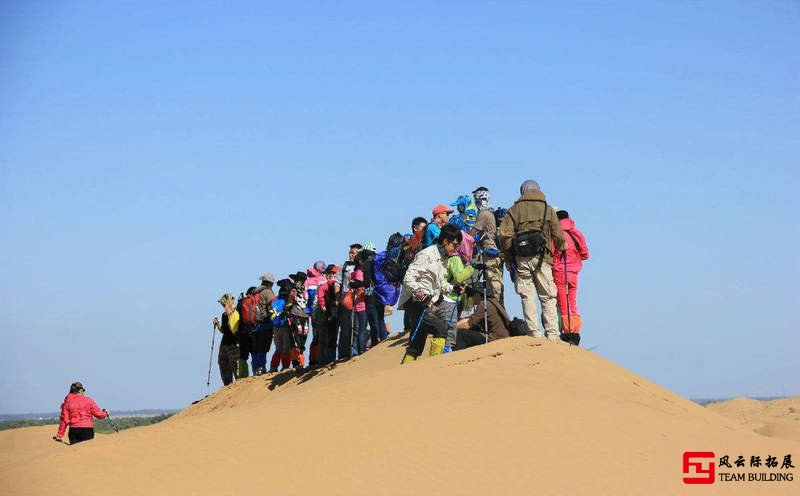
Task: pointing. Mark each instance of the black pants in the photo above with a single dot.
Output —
(78, 434)
(431, 324)
(262, 341)
(467, 337)
(245, 342)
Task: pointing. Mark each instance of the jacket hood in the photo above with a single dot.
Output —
(567, 224)
(532, 195)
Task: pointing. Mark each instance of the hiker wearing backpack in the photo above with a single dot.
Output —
(566, 266)
(387, 273)
(327, 310)
(299, 321)
(471, 331)
(228, 348)
(527, 232)
(78, 412)
(314, 280)
(345, 315)
(423, 285)
(441, 215)
(256, 313)
(281, 308)
(361, 286)
(244, 336)
(485, 231)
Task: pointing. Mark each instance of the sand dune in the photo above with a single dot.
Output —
(518, 416)
(776, 418)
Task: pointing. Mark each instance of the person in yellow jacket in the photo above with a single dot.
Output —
(228, 349)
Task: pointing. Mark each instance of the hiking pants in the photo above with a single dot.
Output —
(79, 434)
(377, 324)
(431, 324)
(262, 338)
(228, 360)
(283, 340)
(327, 344)
(494, 276)
(444, 310)
(529, 284)
(468, 337)
(345, 333)
(571, 282)
(245, 342)
(361, 332)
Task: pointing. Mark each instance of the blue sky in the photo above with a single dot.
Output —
(154, 157)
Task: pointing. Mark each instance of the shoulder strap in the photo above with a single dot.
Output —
(577, 245)
(544, 217)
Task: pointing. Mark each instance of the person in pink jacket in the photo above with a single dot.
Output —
(566, 266)
(78, 412)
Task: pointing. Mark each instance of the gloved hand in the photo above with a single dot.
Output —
(420, 296)
(478, 266)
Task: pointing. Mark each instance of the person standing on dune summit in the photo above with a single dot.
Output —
(527, 233)
(228, 358)
(78, 412)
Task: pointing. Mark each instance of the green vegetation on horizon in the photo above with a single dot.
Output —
(100, 426)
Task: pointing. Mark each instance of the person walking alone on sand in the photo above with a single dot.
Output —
(78, 412)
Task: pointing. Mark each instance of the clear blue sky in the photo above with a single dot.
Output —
(155, 155)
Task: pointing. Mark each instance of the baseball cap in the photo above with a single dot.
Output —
(441, 208)
(268, 278)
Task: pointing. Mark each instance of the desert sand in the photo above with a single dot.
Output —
(518, 416)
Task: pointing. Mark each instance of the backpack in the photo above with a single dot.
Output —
(517, 327)
(392, 266)
(250, 308)
(531, 243)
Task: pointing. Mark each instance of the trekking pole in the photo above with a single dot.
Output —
(419, 322)
(211, 357)
(485, 307)
(566, 287)
(108, 417)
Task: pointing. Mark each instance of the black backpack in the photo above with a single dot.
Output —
(517, 327)
(393, 268)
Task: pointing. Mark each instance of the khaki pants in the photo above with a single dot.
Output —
(528, 285)
(494, 276)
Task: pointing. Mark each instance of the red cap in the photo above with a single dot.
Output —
(441, 208)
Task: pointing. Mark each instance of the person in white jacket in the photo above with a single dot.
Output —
(423, 285)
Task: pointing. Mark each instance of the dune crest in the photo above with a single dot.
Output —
(517, 416)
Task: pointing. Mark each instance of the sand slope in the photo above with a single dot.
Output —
(776, 418)
(519, 416)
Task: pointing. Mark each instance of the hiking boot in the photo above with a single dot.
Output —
(537, 334)
(554, 337)
(408, 358)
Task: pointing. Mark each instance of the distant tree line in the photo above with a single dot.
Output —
(100, 426)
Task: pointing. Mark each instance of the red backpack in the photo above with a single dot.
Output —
(249, 308)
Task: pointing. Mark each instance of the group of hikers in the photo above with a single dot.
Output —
(446, 275)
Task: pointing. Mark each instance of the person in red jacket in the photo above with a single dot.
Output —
(78, 412)
(566, 266)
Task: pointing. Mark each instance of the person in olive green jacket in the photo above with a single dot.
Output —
(528, 233)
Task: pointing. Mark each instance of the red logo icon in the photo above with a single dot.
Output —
(699, 465)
